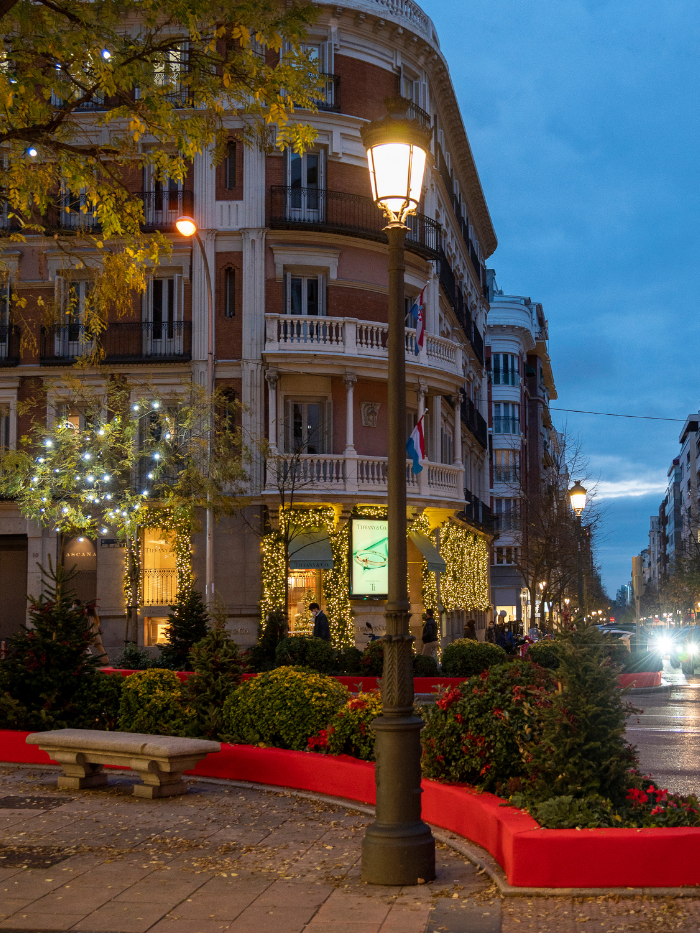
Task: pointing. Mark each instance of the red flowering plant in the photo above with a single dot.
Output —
(649, 805)
(349, 732)
(478, 733)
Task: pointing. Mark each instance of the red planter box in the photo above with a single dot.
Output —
(645, 679)
(530, 856)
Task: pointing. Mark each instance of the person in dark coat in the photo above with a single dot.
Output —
(470, 629)
(321, 627)
(430, 635)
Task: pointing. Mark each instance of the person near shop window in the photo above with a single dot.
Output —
(430, 634)
(321, 627)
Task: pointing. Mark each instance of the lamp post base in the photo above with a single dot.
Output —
(398, 847)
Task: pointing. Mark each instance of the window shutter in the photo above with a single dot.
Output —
(147, 301)
(321, 295)
(325, 57)
(287, 293)
(327, 427)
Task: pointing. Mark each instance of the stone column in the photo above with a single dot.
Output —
(350, 453)
(272, 376)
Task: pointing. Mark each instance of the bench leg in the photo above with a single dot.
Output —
(157, 783)
(78, 773)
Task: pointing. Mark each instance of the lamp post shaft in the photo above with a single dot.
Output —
(209, 569)
(579, 564)
(398, 848)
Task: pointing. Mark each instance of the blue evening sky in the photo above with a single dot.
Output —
(584, 119)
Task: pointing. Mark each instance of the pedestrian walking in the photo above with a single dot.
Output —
(470, 629)
(97, 647)
(491, 633)
(430, 635)
(321, 627)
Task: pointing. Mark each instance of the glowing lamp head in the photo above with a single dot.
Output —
(397, 149)
(186, 226)
(32, 152)
(577, 497)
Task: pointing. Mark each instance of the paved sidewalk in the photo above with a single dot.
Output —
(227, 858)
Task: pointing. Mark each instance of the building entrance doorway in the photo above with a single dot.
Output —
(13, 583)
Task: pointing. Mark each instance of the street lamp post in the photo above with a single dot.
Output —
(187, 227)
(398, 847)
(577, 497)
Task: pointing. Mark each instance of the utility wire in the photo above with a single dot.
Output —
(610, 414)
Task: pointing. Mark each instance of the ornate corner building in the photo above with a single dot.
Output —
(299, 269)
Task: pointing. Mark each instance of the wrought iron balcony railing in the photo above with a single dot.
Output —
(479, 513)
(9, 345)
(329, 101)
(162, 208)
(411, 109)
(474, 421)
(348, 214)
(121, 342)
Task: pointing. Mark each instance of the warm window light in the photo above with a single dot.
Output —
(577, 497)
(186, 225)
(396, 155)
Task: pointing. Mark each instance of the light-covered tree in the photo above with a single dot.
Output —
(117, 460)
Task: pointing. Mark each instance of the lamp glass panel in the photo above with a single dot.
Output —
(417, 170)
(578, 501)
(186, 227)
(390, 165)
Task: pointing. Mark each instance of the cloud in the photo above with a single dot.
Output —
(629, 488)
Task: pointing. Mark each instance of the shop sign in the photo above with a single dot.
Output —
(369, 557)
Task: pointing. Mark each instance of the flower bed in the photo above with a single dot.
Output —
(530, 856)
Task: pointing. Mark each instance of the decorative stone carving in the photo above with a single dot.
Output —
(370, 413)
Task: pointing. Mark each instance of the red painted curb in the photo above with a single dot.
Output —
(530, 856)
(420, 684)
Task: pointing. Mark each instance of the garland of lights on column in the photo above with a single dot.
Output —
(179, 530)
(428, 578)
(465, 582)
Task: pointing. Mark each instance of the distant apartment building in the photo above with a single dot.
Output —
(673, 508)
(520, 387)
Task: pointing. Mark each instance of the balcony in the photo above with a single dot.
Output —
(478, 513)
(348, 214)
(162, 208)
(508, 475)
(336, 473)
(158, 587)
(329, 102)
(506, 425)
(408, 109)
(350, 337)
(9, 345)
(474, 421)
(137, 342)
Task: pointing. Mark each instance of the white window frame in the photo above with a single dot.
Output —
(68, 343)
(166, 339)
(305, 278)
(311, 209)
(326, 406)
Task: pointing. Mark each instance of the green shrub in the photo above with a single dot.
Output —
(97, 701)
(583, 749)
(218, 671)
(349, 732)
(465, 658)
(479, 733)
(261, 657)
(372, 664)
(188, 624)
(300, 651)
(350, 660)
(46, 664)
(152, 702)
(12, 713)
(424, 666)
(281, 708)
(134, 658)
(543, 653)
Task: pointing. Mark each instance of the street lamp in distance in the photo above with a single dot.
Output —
(398, 847)
(577, 498)
(187, 226)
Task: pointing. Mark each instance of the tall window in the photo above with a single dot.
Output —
(4, 429)
(307, 426)
(506, 466)
(73, 298)
(230, 293)
(305, 294)
(508, 512)
(305, 180)
(164, 329)
(507, 555)
(230, 166)
(504, 369)
(5, 304)
(506, 418)
(170, 70)
(446, 444)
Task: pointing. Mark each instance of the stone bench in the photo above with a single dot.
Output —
(159, 760)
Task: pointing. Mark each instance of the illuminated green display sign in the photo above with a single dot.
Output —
(369, 557)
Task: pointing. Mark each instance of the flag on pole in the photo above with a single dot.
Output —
(418, 313)
(415, 445)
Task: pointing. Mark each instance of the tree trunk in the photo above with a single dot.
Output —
(132, 611)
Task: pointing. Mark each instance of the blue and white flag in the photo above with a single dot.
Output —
(415, 445)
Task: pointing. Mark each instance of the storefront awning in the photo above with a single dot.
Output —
(310, 549)
(428, 550)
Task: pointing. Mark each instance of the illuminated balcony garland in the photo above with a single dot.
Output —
(179, 529)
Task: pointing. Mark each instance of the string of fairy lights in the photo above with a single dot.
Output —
(463, 584)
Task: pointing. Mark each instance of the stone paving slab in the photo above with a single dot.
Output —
(229, 859)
